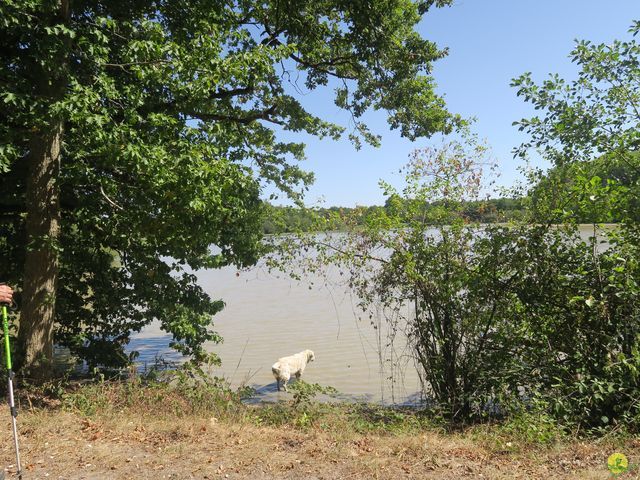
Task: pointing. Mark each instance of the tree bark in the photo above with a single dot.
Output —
(41, 260)
(42, 224)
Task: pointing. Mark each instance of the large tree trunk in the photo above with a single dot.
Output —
(37, 318)
(41, 261)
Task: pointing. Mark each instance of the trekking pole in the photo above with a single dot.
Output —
(12, 405)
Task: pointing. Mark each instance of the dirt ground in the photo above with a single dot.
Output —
(58, 445)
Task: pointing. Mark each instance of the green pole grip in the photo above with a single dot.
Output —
(5, 324)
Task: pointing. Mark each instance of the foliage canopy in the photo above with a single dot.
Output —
(140, 131)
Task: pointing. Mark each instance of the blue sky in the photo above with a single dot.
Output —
(490, 42)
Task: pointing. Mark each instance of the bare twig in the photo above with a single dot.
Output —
(111, 202)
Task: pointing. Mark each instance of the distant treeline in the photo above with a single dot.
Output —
(581, 192)
(280, 219)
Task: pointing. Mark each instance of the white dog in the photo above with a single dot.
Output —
(285, 367)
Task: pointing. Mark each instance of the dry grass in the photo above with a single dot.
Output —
(151, 436)
(64, 445)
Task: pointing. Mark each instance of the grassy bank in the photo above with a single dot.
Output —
(188, 429)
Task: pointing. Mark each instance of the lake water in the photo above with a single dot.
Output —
(268, 316)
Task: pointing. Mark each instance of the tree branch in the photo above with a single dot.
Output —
(251, 117)
(111, 202)
(234, 92)
(320, 66)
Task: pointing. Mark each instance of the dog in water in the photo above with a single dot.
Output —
(286, 367)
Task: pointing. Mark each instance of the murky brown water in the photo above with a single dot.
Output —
(267, 317)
